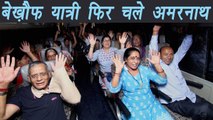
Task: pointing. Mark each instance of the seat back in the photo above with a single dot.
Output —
(162, 42)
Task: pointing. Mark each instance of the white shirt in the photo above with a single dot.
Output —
(176, 86)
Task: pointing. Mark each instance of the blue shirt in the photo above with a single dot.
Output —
(138, 97)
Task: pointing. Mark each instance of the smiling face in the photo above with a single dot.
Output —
(106, 43)
(167, 55)
(50, 54)
(137, 41)
(39, 76)
(132, 59)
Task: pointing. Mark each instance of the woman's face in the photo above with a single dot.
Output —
(51, 55)
(133, 61)
(106, 42)
(136, 41)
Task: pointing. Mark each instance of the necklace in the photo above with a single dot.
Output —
(140, 82)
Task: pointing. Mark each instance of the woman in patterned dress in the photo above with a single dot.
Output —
(134, 80)
(105, 54)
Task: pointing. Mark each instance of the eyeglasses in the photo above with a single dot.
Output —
(50, 56)
(135, 58)
(35, 76)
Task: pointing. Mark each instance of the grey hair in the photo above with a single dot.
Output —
(36, 63)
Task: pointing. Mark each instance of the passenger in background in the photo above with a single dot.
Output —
(68, 40)
(69, 43)
(27, 49)
(104, 55)
(24, 56)
(115, 39)
(127, 44)
(66, 53)
(7, 49)
(184, 101)
(50, 54)
(138, 43)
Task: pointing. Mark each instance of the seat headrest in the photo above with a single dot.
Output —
(162, 39)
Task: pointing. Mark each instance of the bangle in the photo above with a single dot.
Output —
(3, 89)
(3, 93)
(161, 71)
(118, 73)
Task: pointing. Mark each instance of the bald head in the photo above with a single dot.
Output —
(167, 54)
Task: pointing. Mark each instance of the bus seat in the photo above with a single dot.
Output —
(160, 94)
(162, 42)
(122, 107)
(194, 84)
(116, 99)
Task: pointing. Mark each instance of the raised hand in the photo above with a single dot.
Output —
(25, 47)
(92, 39)
(59, 62)
(118, 63)
(57, 32)
(7, 72)
(111, 34)
(85, 24)
(72, 33)
(155, 57)
(156, 29)
(123, 38)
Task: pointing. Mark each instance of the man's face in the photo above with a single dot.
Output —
(167, 55)
(39, 76)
